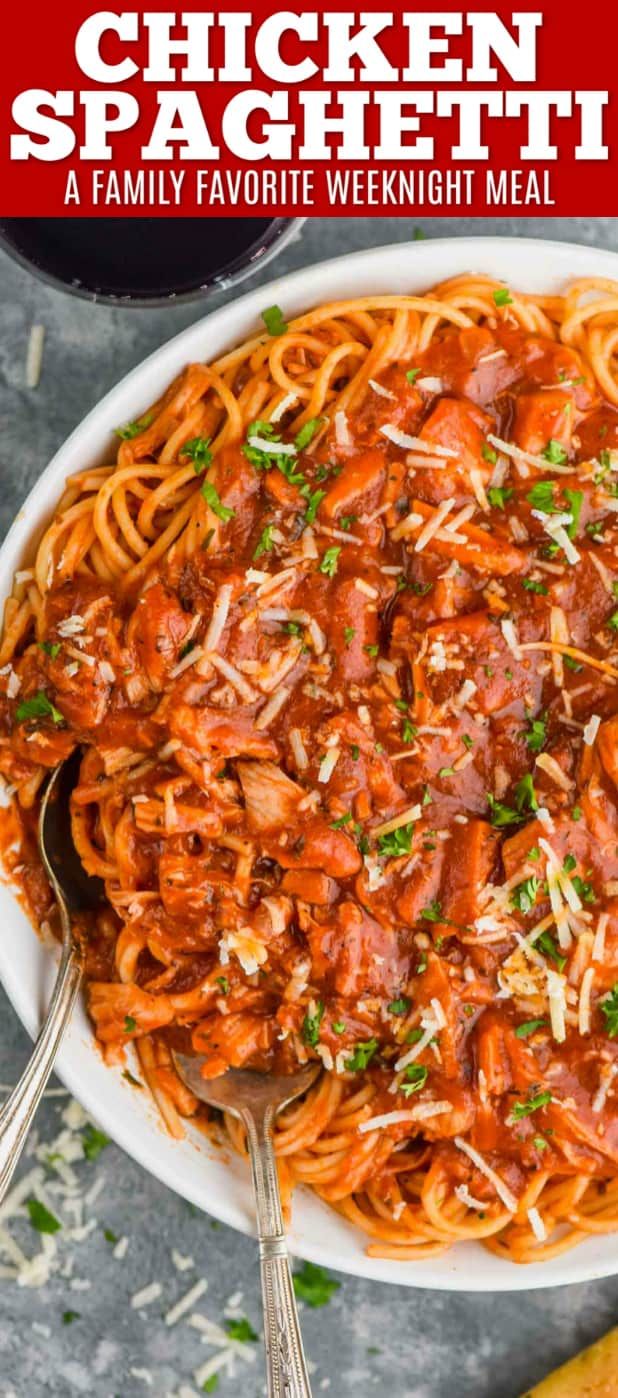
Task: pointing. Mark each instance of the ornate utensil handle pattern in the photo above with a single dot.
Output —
(18, 1111)
(285, 1359)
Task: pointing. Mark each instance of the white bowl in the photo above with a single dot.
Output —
(214, 1180)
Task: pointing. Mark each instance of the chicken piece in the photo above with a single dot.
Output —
(124, 1011)
(466, 871)
(230, 1041)
(354, 954)
(230, 735)
(188, 885)
(542, 417)
(317, 846)
(310, 885)
(358, 487)
(271, 798)
(157, 632)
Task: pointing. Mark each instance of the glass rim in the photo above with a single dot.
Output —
(279, 233)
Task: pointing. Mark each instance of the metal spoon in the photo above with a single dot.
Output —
(75, 892)
(257, 1098)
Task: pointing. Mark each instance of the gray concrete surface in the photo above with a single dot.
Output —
(409, 1344)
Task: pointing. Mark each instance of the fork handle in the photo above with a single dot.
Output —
(285, 1360)
(18, 1111)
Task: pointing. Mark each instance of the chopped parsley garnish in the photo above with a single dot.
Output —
(502, 297)
(329, 563)
(609, 1008)
(311, 1025)
(575, 500)
(533, 1104)
(432, 912)
(361, 1056)
(93, 1142)
(338, 1027)
(223, 983)
(531, 586)
(540, 1143)
(272, 452)
(413, 1036)
(197, 451)
(355, 752)
(541, 497)
(133, 429)
(498, 494)
(412, 375)
(372, 651)
(584, 889)
(577, 813)
(241, 1329)
(396, 842)
(408, 732)
(612, 623)
(40, 1217)
(51, 648)
(467, 741)
(135, 1082)
(446, 772)
(416, 1077)
(536, 732)
(349, 633)
(399, 1007)
(523, 896)
(525, 795)
(547, 945)
(523, 1031)
(572, 664)
(500, 814)
(211, 496)
(39, 706)
(313, 1285)
(555, 453)
(265, 543)
(307, 432)
(343, 820)
(488, 454)
(314, 501)
(346, 521)
(130, 1024)
(274, 321)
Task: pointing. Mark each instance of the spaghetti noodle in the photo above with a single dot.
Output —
(336, 633)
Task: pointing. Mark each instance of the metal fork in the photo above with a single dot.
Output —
(76, 892)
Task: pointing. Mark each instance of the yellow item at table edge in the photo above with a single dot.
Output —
(591, 1374)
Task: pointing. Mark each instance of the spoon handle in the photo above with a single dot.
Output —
(285, 1361)
(18, 1111)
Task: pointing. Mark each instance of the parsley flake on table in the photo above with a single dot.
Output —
(241, 1329)
(41, 1218)
(94, 1141)
(314, 1285)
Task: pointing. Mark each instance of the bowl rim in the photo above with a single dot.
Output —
(466, 1268)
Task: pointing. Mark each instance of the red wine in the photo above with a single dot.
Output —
(139, 258)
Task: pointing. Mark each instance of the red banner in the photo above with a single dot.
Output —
(251, 109)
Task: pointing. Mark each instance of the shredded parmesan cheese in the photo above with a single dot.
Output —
(502, 1189)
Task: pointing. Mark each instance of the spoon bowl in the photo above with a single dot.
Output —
(256, 1098)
